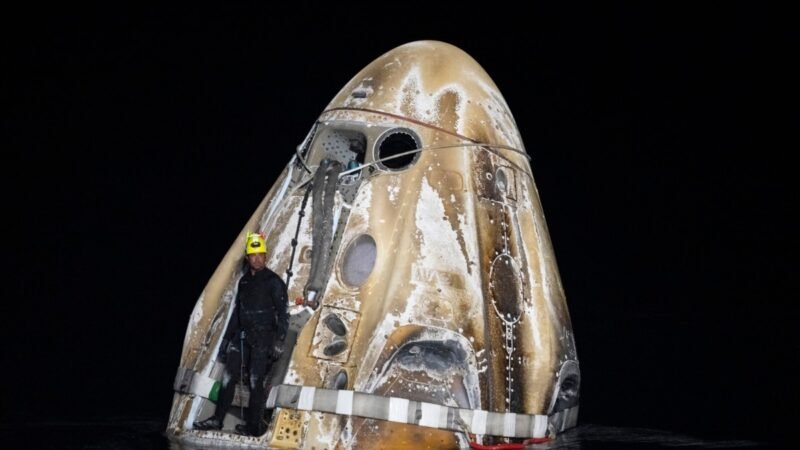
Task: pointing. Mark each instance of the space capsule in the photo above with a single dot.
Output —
(426, 305)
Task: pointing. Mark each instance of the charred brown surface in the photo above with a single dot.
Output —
(461, 303)
(383, 435)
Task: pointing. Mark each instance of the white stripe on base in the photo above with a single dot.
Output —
(306, 401)
(344, 403)
(430, 415)
(478, 425)
(398, 410)
(202, 385)
(539, 426)
(509, 424)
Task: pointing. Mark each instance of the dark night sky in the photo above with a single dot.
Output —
(140, 141)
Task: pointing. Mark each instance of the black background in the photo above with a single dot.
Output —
(139, 141)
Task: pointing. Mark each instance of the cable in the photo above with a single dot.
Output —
(300, 215)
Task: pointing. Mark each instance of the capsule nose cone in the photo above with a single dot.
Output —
(437, 84)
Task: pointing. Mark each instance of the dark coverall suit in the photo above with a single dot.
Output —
(261, 314)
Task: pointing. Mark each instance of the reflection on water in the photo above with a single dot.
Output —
(124, 434)
(607, 437)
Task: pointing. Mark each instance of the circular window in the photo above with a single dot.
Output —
(358, 261)
(395, 142)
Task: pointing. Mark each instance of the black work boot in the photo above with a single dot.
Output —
(212, 423)
(246, 430)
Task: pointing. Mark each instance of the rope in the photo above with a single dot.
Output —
(301, 214)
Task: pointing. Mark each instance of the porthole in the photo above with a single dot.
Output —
(396, 142)
(358, 261)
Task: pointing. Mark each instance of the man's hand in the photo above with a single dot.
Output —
(277, 350)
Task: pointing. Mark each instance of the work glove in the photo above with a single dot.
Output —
(277, 350)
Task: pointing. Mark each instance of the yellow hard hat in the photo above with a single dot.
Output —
(255, 243)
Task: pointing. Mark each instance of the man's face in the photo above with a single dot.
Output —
(257, 261)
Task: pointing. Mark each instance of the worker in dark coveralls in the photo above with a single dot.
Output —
(254, 338)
